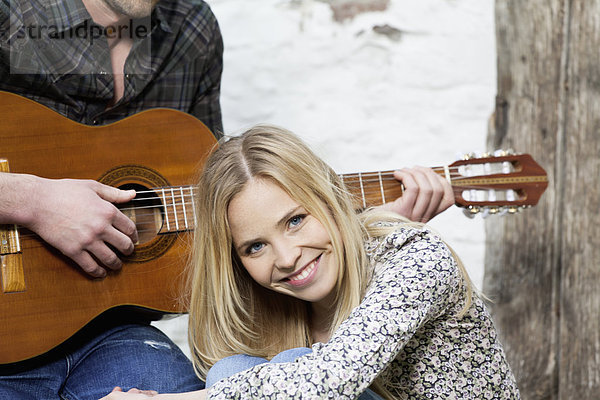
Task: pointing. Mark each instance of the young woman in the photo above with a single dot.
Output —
(282, 261)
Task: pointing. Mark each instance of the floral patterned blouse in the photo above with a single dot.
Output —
(407, 330)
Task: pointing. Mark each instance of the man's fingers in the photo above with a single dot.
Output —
(420, 212)
(128, 228)
(113, 194)
(448, 197)
(119, 220)
(425, 193)
(418, 192)
(105, 255)
(435, 192)
(410, 194)
(120, 241)
(88, 264)
(442, 189)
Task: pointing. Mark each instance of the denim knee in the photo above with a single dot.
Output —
(231, 365)
(129, 356)
(290, 355)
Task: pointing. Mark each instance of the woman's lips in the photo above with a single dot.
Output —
(305, 275)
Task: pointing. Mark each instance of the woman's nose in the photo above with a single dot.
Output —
(287, 255)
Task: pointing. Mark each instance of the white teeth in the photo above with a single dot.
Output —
(304, 273)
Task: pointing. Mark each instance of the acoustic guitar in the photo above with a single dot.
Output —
(46, 298)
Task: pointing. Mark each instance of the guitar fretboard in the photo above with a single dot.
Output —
(375, 188)
(369, 189)
(179, 214)
(372, 188)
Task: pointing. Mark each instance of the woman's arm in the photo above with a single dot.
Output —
(416, 279)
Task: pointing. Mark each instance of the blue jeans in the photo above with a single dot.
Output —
(127, 356)
(233, 364)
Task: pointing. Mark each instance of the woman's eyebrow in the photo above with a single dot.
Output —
(281, 221)
(288, 215)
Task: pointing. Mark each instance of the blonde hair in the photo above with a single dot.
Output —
(231, 314)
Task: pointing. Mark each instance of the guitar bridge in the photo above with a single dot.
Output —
(11, 259)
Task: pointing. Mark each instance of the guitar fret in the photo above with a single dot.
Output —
(362, 190)
(183, 204)
(175, 210)
(381, 187)
(447, 174)
(166, 209)
(193, 205)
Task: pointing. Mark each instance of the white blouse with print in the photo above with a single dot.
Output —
(407, 330)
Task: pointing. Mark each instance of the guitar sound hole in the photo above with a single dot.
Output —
(145, 210)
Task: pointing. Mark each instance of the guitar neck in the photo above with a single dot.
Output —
(372, 188)
(369, 189)
(176, 203)
(503, 181)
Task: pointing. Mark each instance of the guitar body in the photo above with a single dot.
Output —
(155, 148)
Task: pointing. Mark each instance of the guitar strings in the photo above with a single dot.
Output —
(174, 198)
(175, 194)
(365, 177)
(385, 175)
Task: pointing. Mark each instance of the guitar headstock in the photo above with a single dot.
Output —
(497, 183)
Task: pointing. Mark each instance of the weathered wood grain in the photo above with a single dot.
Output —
(542, 268)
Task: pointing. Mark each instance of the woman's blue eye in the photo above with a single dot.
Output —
(296, 220)
(255, 247)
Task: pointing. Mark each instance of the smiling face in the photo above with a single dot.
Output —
(281, 245)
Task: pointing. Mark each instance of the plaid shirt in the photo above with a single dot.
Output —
(52, 52)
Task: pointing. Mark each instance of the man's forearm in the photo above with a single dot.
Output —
(16, 192)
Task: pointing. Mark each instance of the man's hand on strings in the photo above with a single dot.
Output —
(426, 194)
(80, 219)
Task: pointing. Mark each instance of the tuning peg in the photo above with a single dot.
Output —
(487, 154)
(496, 211)
(468, 213)
(469, 156)
(503, 153)
(502, 211)
(513, 209)
(474, 209)
(471, 211)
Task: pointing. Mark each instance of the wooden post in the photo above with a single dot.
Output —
(543, 267)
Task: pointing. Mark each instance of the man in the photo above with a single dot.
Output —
(184, 73)
(97, 61)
